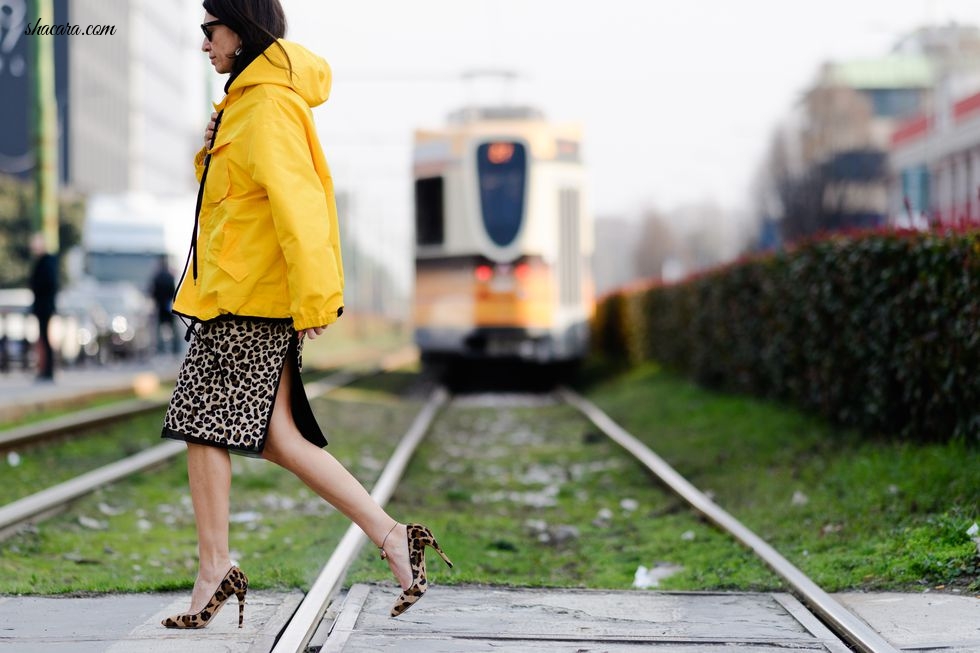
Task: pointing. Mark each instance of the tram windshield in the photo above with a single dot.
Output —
(502, 169)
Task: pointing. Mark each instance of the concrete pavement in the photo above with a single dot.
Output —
(464, 619)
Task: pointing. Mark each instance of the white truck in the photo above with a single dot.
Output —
(123, 239)
(125, 235)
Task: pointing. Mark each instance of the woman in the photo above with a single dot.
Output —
(265, 274)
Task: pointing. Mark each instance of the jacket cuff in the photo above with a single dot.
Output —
(310, 320)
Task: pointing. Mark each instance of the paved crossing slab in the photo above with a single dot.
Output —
(464, 619)
(124, 623)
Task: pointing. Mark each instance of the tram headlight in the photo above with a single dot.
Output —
(483, 273)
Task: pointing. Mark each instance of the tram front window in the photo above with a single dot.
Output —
(502, 170)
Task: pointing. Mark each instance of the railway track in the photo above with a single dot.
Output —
(308, 630)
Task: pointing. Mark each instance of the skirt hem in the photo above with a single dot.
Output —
(174, 435)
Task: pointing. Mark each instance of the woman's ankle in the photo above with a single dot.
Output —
(214, 569)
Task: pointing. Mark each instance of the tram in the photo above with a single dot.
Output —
(503, 239)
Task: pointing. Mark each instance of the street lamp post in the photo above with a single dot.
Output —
(45, 219)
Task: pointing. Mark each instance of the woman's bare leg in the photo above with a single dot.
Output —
(209, 476)
(324, 474)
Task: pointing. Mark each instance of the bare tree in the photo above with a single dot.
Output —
(655, 245)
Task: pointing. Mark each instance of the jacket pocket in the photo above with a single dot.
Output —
(230, 256)
(217, 186)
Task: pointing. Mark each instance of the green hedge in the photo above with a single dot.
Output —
(878, 331)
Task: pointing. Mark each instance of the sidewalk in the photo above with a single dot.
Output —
(21, 394)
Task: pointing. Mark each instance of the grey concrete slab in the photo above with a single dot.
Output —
(122, 623)
(927, 621)
(366, 643)
(466, 619)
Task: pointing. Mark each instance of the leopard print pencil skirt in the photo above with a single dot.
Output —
(226, 387)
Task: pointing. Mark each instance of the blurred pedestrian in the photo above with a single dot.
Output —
(44, 285)
(162, 288)
(264, 273)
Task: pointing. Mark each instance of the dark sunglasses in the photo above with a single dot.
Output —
(206, 28)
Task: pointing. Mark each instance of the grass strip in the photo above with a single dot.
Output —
(853, 512)
(532, 495)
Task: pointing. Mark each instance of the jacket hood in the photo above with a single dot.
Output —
(311, 76)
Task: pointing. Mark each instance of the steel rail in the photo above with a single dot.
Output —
(82, 419)
(48, 501)
(842, 621)
(301, 628)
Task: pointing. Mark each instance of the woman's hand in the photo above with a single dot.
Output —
(312, 333)
(209, 132)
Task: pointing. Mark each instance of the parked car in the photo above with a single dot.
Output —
(90, 325)
(93, 324)
(128, 314)
(18, 328)
(19, 331)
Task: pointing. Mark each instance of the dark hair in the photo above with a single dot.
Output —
(258, 23)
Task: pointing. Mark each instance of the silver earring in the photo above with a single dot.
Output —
(238, 50)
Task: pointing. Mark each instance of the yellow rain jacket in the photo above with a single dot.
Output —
(268, 243)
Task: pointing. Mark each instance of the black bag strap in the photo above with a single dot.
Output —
(192, 253)
(200, 192)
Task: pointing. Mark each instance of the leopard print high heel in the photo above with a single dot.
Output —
(419, 537)
(235, 583)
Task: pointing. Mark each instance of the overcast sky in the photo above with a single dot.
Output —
(678, 98)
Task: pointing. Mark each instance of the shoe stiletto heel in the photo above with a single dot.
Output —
(235, 583)
(419, 537)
